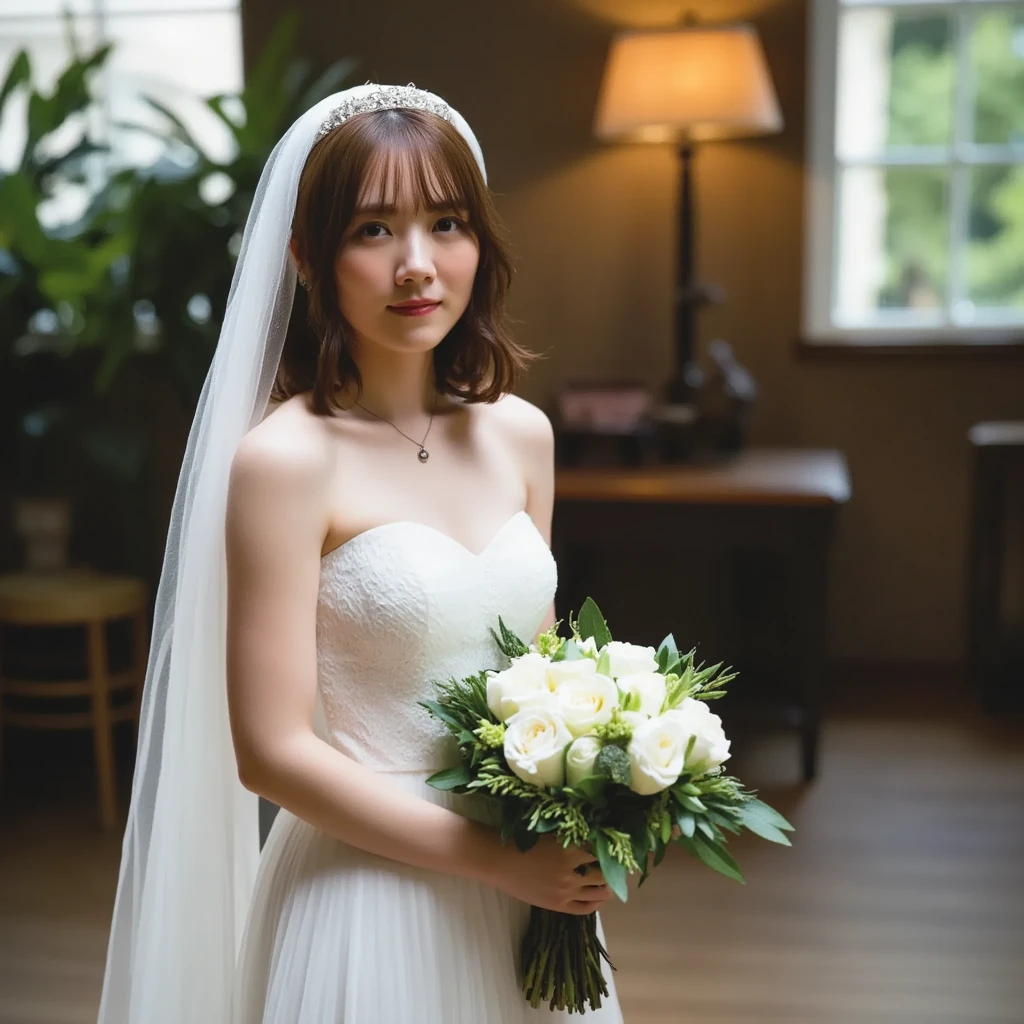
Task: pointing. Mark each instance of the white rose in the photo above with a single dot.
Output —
(586, 702)
(535, 742)
(562, 671)
(626, 659)
(656, 755)
(588, 648)
(580, 758)
(523, 684)
(711, 747)
(649, 687)
(634, 719)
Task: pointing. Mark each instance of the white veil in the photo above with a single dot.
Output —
(191, 846)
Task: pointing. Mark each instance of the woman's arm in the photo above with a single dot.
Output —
(276, 522)
(536, 444)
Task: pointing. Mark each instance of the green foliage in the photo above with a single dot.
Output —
(490, 734)
(613, 762)
(508, 643)
(922, 100)
(461, 704)
(600, 813)
(615, 731)
(549, 643)
(591, 624)
(697, 681)
(450, 778)
(141, 279)
(668, 655)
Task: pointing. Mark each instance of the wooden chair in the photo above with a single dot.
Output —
(90, 600)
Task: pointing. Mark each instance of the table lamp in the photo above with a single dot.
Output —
(685, 85)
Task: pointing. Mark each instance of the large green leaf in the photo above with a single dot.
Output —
(569, 651)
(766, 831)
(769, 814)
(449, 778)
(687, 823)
(18, 74)
(716, 857)
(591, 623)
(179, 130)
(765, 821)
(614, 873)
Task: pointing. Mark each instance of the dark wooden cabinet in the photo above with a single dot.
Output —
(731, 557)
(995, 647)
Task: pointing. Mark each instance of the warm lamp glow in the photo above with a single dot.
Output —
(697, 83)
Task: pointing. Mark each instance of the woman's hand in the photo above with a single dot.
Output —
(568, 881)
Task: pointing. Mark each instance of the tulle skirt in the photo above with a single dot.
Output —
(339, 936)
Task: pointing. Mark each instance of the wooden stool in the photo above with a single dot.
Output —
(80, 598)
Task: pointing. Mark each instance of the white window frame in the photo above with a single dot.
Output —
(820, 208)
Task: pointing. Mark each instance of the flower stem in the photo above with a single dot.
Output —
(561, 957)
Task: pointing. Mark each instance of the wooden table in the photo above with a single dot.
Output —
(729, 556)
(994, 665)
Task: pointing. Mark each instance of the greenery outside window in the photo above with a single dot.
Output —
(915, 194)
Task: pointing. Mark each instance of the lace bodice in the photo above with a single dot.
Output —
(402, 604)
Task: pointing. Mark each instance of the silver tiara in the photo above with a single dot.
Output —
(386, 97)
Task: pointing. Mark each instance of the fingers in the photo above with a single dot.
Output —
(591, 871)
(584, 907)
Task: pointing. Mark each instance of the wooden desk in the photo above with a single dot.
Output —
(731, 557)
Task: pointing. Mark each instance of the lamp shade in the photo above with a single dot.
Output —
(705, 82)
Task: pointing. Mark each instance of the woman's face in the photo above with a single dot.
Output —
(394, 259)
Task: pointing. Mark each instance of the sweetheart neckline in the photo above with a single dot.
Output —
(430, 529)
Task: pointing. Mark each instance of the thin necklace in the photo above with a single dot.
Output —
(423, 453)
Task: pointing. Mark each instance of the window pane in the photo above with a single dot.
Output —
(893, 253)
(179, 60)
(995, 246)
(997, 65)
(895, 85)
(167, 6)
(43, 8)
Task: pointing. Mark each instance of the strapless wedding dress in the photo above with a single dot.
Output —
(336, 935)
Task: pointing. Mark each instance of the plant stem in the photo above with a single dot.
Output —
(561, 958)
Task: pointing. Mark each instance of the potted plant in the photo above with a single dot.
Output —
(95, 310)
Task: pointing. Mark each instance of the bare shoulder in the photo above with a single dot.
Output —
(290, 446)
(527, 431)
(525, 425)
(280, 480)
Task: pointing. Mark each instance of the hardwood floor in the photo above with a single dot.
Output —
(901, 901)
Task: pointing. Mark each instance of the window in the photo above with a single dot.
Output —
(176, 51)
(915, 197)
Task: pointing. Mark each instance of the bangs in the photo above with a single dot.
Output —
(411, 166)
(387, 159)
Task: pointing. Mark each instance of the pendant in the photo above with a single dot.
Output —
(424, 455)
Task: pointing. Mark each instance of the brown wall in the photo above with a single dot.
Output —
(593, 227)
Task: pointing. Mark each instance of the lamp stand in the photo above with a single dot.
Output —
(687, 377)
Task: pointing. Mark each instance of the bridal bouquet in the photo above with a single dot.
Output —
(612, 747)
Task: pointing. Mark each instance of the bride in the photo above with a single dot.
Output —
(361, 497)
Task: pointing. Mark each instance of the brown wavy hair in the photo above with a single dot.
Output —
(478, 360)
